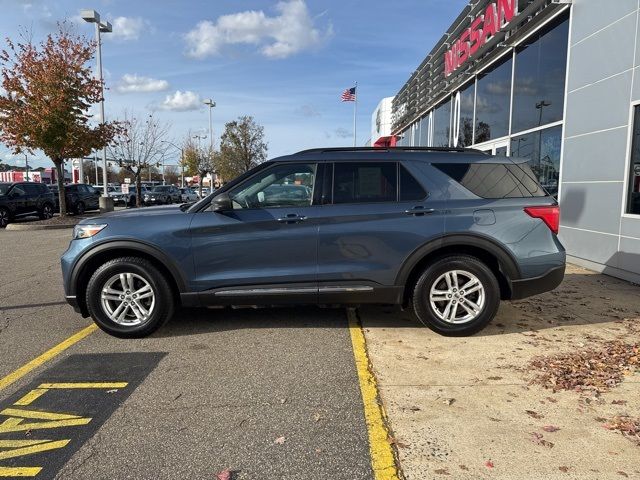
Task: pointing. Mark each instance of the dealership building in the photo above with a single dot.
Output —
(555, 81)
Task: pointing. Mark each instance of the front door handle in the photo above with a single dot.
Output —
(419, 210)
(292, 218)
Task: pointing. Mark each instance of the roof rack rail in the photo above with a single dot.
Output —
(390, 149)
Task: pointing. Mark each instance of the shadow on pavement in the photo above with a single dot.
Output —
(31, 305)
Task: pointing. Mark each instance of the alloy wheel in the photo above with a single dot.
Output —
(128, 299)
(4, 218)
(457, 297)
(47, 211)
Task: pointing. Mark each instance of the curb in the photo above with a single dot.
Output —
(24, 226)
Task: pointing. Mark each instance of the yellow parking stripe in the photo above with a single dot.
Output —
(31, 396)
(19, 471)
(46, 356)
(382, 459)
(19, 412)
(84, 385)
(42, 447)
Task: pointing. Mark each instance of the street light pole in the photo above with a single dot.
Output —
(92, 16)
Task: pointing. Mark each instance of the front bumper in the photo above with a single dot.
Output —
(528, 287)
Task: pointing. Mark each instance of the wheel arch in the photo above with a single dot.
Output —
(102, 253)
(498, 259)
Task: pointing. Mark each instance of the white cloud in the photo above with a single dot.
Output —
(182, 101)
(127, 28)
(134, 84)
(280, 36)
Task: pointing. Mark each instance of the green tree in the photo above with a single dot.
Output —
(48, 89)
(242, 147)
(198, 160)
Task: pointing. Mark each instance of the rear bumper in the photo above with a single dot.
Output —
(528, 287)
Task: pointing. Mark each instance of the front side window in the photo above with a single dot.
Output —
(633, 198)
(284, 185)
(365, 182)
(18, 191)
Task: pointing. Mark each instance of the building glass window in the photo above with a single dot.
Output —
(442, 125)
(424, 132)
(492, 103)
(633, 198)
(542, 148)
(540, 70)
(403, 138)
(465, 135)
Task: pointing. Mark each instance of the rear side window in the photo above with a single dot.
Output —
(410, 189)
(365, 182)
(494, 180)
(31, 189)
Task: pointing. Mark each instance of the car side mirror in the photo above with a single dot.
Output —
(221, 203)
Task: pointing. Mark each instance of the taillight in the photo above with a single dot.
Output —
(548, 214)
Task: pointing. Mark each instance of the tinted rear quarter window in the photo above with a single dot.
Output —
(494, 180)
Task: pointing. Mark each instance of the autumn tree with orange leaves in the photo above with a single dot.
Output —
(48, 89)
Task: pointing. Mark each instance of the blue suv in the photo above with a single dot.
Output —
(446, 232)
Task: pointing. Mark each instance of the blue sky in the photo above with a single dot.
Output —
(286, 63)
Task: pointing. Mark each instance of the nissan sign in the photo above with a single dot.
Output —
(481, 29)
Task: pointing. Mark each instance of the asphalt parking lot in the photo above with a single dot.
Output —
(264, 393)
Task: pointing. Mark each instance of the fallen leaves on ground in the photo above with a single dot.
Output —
(441, 471)
(563, 469)
(396, 442)
(538, 439)
(279, 440)
(550, 428)
(587, 370)
(489, 464)
(224, 475)
(628, 426)
(534, 414)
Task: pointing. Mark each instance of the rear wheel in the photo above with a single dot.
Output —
(80, 208)
(4, 217)
(46, 212)
(457, 295)
(128, 297)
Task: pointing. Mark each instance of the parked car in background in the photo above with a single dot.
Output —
(20, 199)
(79, 196)
(205, 191)
(188, 195)
(129, 199)
(447, 232)
(163, 195)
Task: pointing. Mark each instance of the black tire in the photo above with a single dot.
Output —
(423, 306)
(79, 210)
(132, 202)
(164, 298)
(5, 217)
(46, 212)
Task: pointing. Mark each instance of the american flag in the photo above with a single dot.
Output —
(349, 95)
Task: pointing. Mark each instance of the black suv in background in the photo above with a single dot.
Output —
(163, 195)
(80, 197)
(20, 199)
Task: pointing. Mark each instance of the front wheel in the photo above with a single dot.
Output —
(80, 208)
(129, 297)
(457, 295)
(46, 212)
(4, 217)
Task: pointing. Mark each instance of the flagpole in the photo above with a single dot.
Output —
(355, 113)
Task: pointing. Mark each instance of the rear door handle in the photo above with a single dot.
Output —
(292, 218)
(419, 210)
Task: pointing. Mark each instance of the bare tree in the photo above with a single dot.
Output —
(198, 160)
(140, 146)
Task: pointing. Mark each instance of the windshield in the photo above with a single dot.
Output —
(160, 189)
(4, 188)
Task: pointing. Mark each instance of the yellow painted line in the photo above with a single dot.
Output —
(38, 415)
(6, 427)
(383, 461)
(31, 396)
(42, 447)
(84, 385)
(20, 443)
(19, 471)
(46, 356)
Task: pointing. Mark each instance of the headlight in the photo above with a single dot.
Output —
(87, 231)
